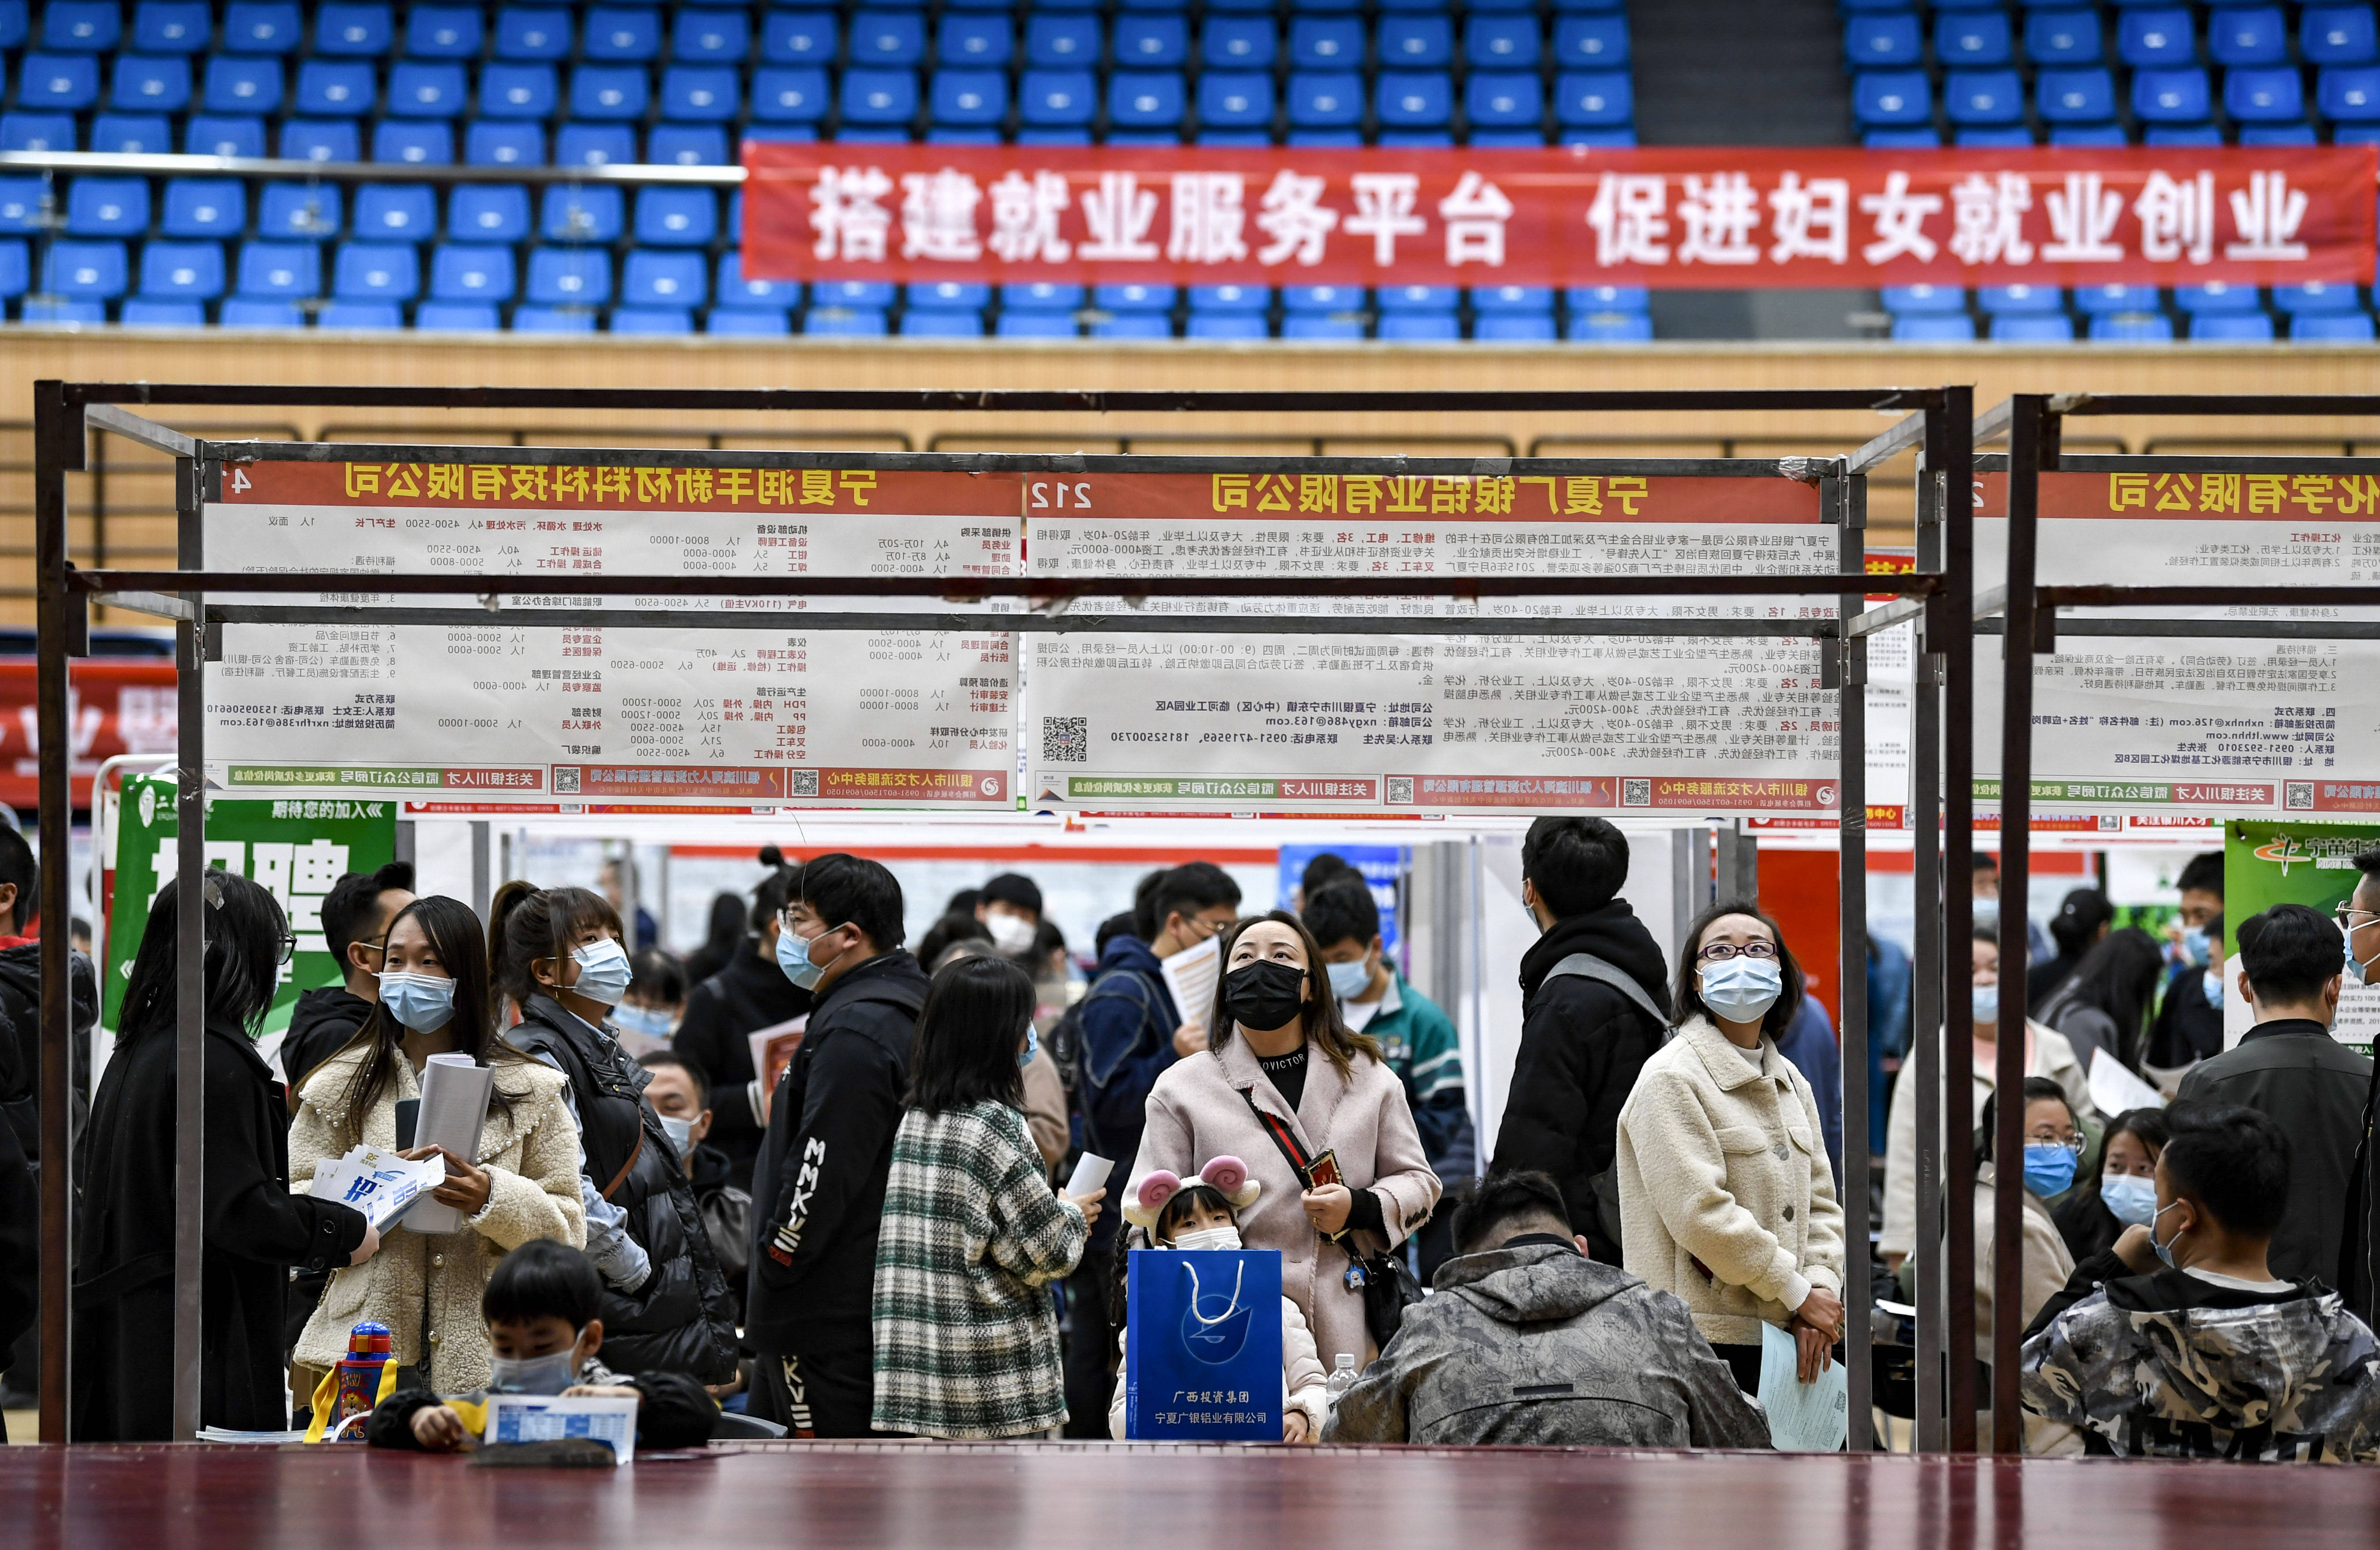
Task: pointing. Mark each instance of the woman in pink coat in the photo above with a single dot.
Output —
(1279, 1046)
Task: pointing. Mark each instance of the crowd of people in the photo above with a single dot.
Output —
(809, 1179)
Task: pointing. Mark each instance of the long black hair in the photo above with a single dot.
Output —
(527, 924)
(2118, 976)
(964, 1049)
(244, 931)
(454, 933)
(1687, 999)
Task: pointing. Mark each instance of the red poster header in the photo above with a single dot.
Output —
(1677, 218)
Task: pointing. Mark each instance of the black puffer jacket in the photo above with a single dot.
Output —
(21, 1041)
(682, 1319)
(722, 1014)
(1581, 1044)
(321, 1023)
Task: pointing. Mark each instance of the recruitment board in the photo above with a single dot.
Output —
(508, 707)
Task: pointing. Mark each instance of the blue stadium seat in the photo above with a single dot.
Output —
(107, 207)
(81, 26)
(2298, 133)
(335, 87)
(711, 37)
(2338, 35)
(2332, 327)
(568, 276)
(150, 83)
(397, 212)
(2132, 328)
(1133, 299)
(2171, 96)
(1322, 326)
(1514, 328)
(1972, 40)
(1609, 328)
(502, 142)
(16, 25)
(23, 202)
(690, 145)
(300, 212)
(942, 322)
(875, 295)
(609, 93)
(1226, 326)
(1512, 300)
(1321, 299)
(1133, 325)
(1414, 99)
(56, 312)
(2153, 38)
(1891, 99)
(1593, 43)
(2062, 37)
(166, 27)
(354, 29)
(457, 316)
(2232, 327)
(523, 90)
(652, 320)
(1420, 327)
(532, 34)
(488, 213)
(203, 134)
(242, 312)
(1234, 99)
(888, 38)
(58, 82)
(845, 322)
(2095, 135)
(263, 27)
(1872, 40)
(1039, 296)
(376, 272)
(360, 314)
(702, 93)
(1494, 42)
(1026, 323)
(1500, 99)
(234, 84)
(1983, 97)
(879, 97)
(1238, 42)
(1325, 43)
(280, 271)
(2263, 96)
(783, 94)
(969, 97)
(1933, 329)
(2007, 138)
(202, 207)
(1415, 43)
(2193, 135)
(426, 89)
(422, 142)
(471, 273)
(141, 311)
(622, 36)
(658, 279)
(86, 271)
(746, 321)
(1593, 98)
(1146, 99)
(132, 134)
(2253, 35)
(581, 213)
(1229, 298)
(2348, 94)
(46, 131)
(2075, 96)
(2109, 299)
(1912, 300)
(975, 40)
(2216, 297)
(1416, 298)
(1607, 299)
(2032, 328)
(1151, 42)
(2009, 300)
(676, 217)
(1318, 100)
(2314, 296)
(1057, 42)
(570, 319)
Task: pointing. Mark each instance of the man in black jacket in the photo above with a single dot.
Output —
(819, 1191)
(2291, 1068)
(356, 916)
(723, 1012)
(1583, 1038)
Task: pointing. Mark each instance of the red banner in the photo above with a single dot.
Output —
(1679, 218)
(114, 705)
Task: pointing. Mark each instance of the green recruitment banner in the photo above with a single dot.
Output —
(2270, 860)
(297, 848)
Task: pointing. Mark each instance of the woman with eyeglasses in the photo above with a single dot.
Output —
(1726, 1198)
(2054, 1144)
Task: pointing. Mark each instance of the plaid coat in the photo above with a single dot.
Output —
(967, 1332)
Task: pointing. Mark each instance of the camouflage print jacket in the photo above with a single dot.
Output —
(1533, 1344)
(2172, 1366)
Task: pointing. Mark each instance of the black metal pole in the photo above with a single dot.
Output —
(56, 438)
(1851, 873)
(1922, 1073)
(1957, 607)
(190, 991)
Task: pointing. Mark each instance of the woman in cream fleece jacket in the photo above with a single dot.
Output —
(1726, 1199)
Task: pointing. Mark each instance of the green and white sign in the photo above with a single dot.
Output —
(297, 848)
(2268, 861)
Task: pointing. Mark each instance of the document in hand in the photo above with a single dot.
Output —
(1802, 1417)
(454, 1090)
(536, 1418)
(1191, 975)
(380, 1184)
(2113, 1089)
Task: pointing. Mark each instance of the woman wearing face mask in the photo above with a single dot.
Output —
(963, 1322)
(522, 1184)
(648, 1016)
(2053, 1148)
(2121, 1191)
(2046, 1053)
(666, 1308)
(1280, 1067)
(1726, 1197)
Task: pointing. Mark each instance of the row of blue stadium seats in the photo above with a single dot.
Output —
(2115, 299)
(2343, 94)
(2146, 38)
(2133, 328)
(436, 88)
(218, 207)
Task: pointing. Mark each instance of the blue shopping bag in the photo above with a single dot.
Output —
(1202, 1345)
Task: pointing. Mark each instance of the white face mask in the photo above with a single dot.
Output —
(680, 1132)
(1743, 989)
(1011, 933)
(1208, 1237)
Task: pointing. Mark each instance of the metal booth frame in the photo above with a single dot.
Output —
(1939, 595)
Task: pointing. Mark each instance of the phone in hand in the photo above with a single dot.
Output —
(1323, 1170)
(408, 1120)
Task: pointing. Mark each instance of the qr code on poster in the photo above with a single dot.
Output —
(1636, 793)
(566, 780)
(1401, 789)
(804, 783)
(2298, 796)
(1065, 740)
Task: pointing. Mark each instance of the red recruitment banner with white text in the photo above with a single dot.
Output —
(1677, 218)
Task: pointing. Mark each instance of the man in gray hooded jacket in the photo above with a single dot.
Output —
(1530, 1343)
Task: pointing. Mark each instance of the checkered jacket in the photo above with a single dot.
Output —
(967, 1331)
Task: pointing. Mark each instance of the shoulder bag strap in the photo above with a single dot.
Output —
(1282, 1137)
(634, 1152)
(1586, 966)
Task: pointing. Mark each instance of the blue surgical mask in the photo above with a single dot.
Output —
(1350, 978)
(2354, 965)
(794, 958)
(533, 1374)
(651, 1022)
(1032, 1045)
(1987, 911)
(2163, 1250)
(2194, 945)
(2129, 1198)
(2213, 984)
(1743, 989)
(2048, 1168)
(603, 971)
(424, 1003)
(1987, 1005)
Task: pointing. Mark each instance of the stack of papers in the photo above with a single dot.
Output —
(536, 1418)
(381, 1185)
(1191, 975)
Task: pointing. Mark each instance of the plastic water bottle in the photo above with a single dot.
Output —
(1343, 1378)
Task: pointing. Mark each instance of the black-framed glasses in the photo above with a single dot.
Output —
(1719, 952)
(288, 946)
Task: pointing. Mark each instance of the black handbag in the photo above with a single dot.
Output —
(1386, 1284)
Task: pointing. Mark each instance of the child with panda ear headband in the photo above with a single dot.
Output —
(1170, 1212)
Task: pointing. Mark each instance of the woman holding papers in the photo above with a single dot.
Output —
(519, 1182)
(255, 1229)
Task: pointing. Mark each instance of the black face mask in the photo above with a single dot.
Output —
(1264, 995)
